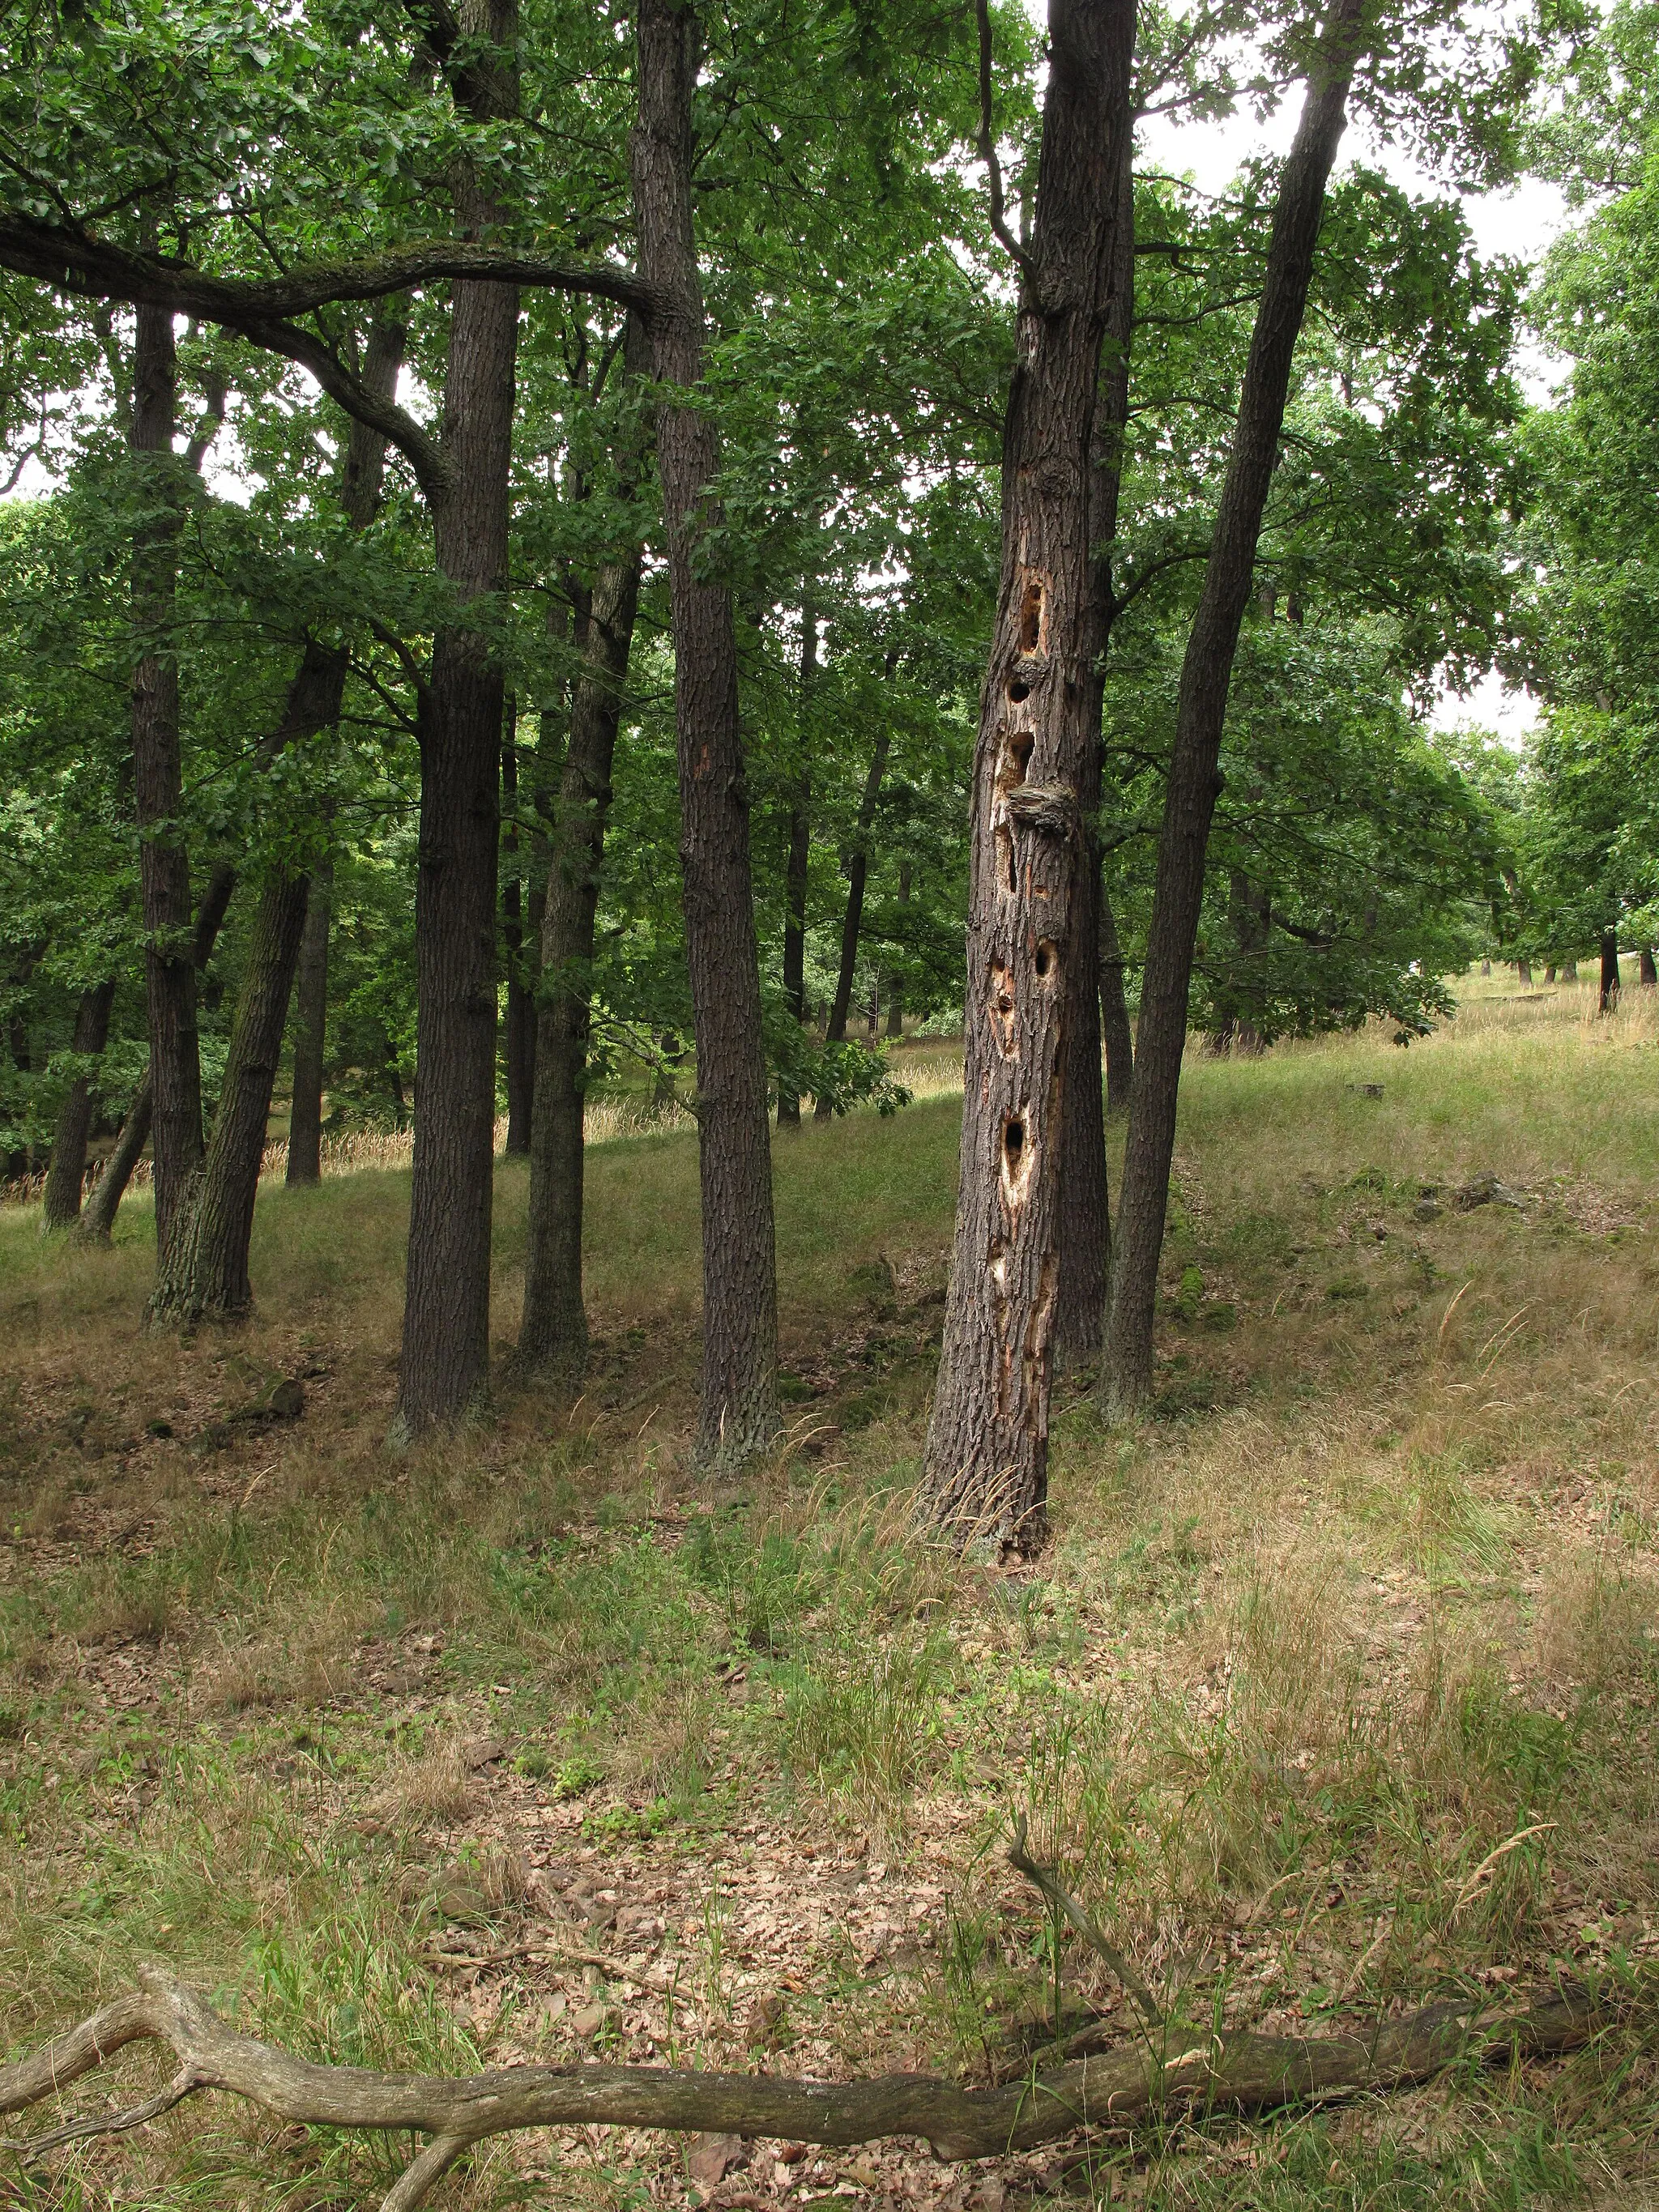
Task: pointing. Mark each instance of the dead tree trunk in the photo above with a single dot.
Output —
(1200, 713)
(61, 1201)
(852, 920)
(1609, 991)
(1085, 1231)
(737, 1414)
(444, 1369)
(553, 1336)
(305, 1121)
(985, 1474)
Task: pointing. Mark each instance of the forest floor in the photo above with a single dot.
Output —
(1334, 1693)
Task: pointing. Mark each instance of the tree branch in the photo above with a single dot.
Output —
(1245, 2070)
(987, 154)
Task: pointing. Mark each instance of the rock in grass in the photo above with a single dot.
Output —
(1485, 1190)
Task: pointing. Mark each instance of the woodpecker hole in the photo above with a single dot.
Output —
(1021, 745)
(1030, 619)
(1019, 691)
(1013, 1140)
(1007, 871)
(1047, 958)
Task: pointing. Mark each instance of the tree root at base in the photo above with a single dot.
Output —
(1245, 2071)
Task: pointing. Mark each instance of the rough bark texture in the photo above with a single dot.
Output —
(305, 1121)
(1117, 1031)
(1162, 2072)
(737, 1413)
(98, 1216)
(163, 861)
(985, 1476)
(796, 867)
(553, 1338)
(1086, 1232)
(444, 1369)
(858, 872)
(60, 1205)
(520, 1043)
(1609, 995)
(204, 1273)
(1200, 712)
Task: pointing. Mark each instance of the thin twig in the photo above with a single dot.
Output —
(1067, 1905)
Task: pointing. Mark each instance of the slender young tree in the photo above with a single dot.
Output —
(1117, 1032)
(520, 1024)
(737, 1412)
(60, 1206)
(858, 875)
(1609, 991)
(305, 1121)
(985, 1475)
(1201, 708)
(798, 863)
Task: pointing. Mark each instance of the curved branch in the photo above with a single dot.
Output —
(1206, 2068)
(987, 154)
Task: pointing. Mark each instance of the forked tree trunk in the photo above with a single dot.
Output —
(305, 1121)
(98, 1215)
(1201, 714)
(852, 920)
(1609, 991)
(60, 1205)
(796, 865)
(553, 1338)
(1085, 1231)
(1117, 1029)
(157, 779)
(985, 1474)
(737, 1413)
(444, 1369)
(203, 1275)
(520, 1042)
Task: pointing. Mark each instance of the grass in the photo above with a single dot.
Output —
(1334, 1693)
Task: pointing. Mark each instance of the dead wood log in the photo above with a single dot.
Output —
(1184, 2068)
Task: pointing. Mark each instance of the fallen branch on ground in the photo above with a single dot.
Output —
(1245, 2071)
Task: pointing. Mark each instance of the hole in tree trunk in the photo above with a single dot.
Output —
(1014, 1139)
(1031, 619)
(1047, 961)
(1017, 691)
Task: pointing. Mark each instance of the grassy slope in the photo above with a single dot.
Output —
(1372, 1597)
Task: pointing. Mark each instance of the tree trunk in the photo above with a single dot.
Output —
(1200, 713)
(895, 991)
(61, 1202)
(1085, 1228)
(985, 1473)
(157, 780)
(98, 1216)
(1569, 972)
(203, 1273)
(796, 867)
(737, 1414)
(1609, 991)
(1117, 1029)
(444, 1371)
(852, 921)
(553, 1337)
(305, 1121)
(520, 998)
(1647, 974)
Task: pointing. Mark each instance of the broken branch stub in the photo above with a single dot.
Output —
(1245, 2071)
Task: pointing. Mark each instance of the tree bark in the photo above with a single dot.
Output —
(444, 1371)
(985, 1473)
(1609, 991)
(520, 998)
(553, 1336)
(157, 778)
(1200, 713)
(305, 1121)
(894, 989)
(852, 920)
(1116, 1029)
(796, 865)
(98, 1215)
(1569, 972)
(737, 1414)
(61, 1200)
(1647, 974)
(1085, 1230)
